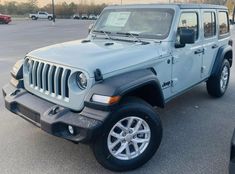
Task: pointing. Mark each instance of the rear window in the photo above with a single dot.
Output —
(223, 23)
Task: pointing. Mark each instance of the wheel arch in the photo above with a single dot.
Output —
(224, 52)
(229, 56)
(140, 83)
(149, 92)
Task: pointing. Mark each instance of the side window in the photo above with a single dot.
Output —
(189, 20)
(223, 23)
(209, 24)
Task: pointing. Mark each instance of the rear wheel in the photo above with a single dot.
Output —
(34, 18)
(217, 85)
(130, 138)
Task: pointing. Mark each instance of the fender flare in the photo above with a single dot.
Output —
(220, 58)
(123, 84)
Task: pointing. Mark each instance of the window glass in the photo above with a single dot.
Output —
(209, 24)
(189, 21)
(148, 23)
(223, 23)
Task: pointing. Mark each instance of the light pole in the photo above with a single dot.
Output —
(53, 10)
(121, 2)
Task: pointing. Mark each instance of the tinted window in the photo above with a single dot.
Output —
(223, 23)
(189, 21)
(209, 24)
(41, 13)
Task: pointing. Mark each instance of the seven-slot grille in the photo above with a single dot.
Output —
(49, 79)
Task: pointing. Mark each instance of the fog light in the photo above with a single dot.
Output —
(71, 130)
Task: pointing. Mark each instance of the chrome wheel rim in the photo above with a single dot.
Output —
(129, 138)
(224, 78)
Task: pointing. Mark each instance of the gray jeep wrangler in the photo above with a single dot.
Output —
(102, 90)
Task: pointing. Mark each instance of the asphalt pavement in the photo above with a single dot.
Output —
(197, 128)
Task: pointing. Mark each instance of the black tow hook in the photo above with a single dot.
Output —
(54, 111)
(15, 92)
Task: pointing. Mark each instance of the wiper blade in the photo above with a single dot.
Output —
(133, 35)
(107, 33)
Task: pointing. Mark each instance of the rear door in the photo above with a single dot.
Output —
(224, 29)
(210, 37)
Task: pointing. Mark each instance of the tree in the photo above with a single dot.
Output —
(33, 5)
(11, 7)
(63, 10)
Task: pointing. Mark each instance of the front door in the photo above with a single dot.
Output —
(42, 15)
(187, 61)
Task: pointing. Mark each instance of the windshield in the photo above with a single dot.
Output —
(147, 23)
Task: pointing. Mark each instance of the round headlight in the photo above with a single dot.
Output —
(81, 80)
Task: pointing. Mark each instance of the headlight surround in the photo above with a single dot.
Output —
(81, 80)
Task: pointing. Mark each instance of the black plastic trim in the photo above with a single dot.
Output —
(123, 84)
(232, 155)
(219, 58)
(87, 124)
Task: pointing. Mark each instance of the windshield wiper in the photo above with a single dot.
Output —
(106, 33)
(133, 35)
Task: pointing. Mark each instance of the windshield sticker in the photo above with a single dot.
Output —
(118, 19)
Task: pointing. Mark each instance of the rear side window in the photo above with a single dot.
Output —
(189, 20)
(209, 24)
(223, 23)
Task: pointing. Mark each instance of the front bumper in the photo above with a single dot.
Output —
(232, 156)
(52, 118)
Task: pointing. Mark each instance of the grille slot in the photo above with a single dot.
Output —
(49, 79)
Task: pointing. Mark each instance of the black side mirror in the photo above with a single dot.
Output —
(186, 36)
(231, 22)
(90, 28)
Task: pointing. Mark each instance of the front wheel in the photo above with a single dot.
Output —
(2, 22)
(50, 18)
(130, 138)
(217, 85)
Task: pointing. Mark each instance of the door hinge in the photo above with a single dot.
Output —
(174, 82)
(203, 69)
(173, 60)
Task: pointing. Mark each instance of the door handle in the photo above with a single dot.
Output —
(199, 51)
(214, 46)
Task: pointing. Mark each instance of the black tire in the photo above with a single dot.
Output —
(213, 84)
(34, 18)
(50, 18)
(130, 107)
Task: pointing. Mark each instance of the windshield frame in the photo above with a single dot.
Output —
(146, 36)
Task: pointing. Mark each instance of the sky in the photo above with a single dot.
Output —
(43, 2)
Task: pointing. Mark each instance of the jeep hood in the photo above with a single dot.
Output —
(107, 55)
